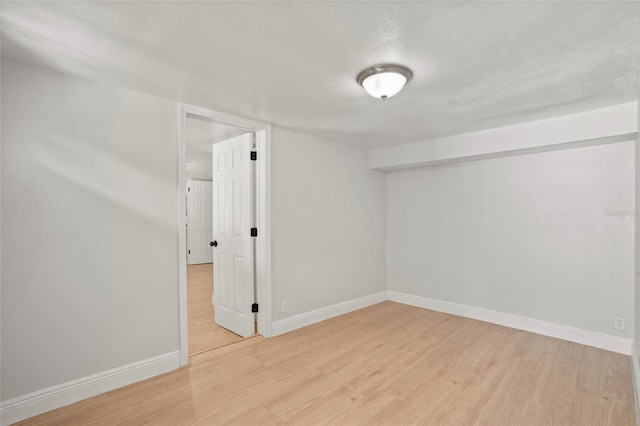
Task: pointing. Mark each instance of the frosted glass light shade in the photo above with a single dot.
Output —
(384, 85)
(384, 81)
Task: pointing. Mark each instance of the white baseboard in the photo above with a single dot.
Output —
(38, 402)
(585, 337)
(298, 321)
(635, 370)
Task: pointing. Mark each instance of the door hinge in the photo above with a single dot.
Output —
(254, 155)
(254, 232)
(188, 189)
(189, 251)
(254, 308)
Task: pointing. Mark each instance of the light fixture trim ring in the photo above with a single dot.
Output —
(378, 69)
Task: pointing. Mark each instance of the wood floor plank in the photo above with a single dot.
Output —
(389, 364)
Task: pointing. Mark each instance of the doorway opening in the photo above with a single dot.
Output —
(223, 224)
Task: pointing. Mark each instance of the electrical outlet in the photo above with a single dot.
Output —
(618, 323)
(285, 306)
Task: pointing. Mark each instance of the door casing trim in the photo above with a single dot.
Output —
(263, 217)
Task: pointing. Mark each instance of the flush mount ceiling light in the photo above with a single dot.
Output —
(384, 81)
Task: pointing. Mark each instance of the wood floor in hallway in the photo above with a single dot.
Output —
(204, 334)
(389, 364)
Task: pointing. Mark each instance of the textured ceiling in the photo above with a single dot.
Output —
(476, 65)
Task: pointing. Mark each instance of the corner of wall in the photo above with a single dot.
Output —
(634, 354)
(306, 192)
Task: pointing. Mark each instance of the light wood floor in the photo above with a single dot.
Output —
(387, 364)
(204, 334)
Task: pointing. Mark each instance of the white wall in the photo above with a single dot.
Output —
(544, 236)
(635, 361)
(89, 244)
(199, 170)
(637, 231)
(198, 140)
(328, 223)
(89, 219)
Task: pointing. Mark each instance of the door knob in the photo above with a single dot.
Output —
(213, 244)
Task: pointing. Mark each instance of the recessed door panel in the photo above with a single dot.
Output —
(221, 211)
(238, 217)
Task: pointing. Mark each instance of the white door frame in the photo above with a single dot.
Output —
(263, 217)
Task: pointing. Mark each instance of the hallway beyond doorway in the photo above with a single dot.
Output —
(204, 334)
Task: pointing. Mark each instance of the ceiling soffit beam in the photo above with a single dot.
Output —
(612, 124)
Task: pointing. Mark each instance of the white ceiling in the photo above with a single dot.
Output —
(476, 65)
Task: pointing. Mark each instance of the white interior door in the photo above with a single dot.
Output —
(199, 222)
(233, 253)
